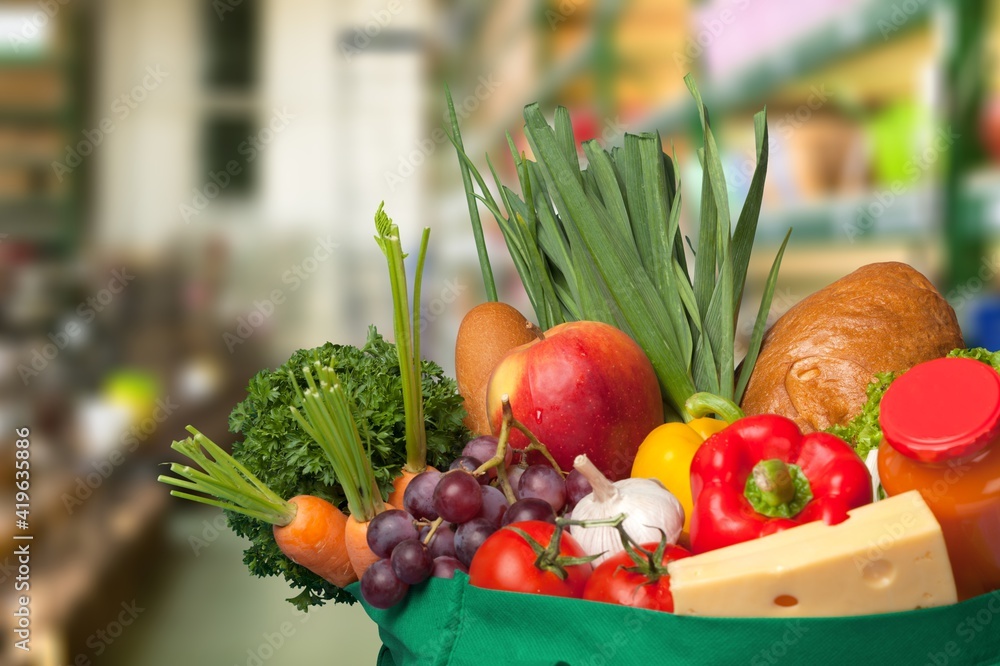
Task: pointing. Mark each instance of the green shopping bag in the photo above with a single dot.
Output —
(451, 623)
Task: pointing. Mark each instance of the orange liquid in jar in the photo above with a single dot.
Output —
(964, 495)
(941, 427)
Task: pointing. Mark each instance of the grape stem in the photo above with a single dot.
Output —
(497, 460)
(434, 528)
(536, 445)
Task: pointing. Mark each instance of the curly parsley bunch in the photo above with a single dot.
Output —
(275, 448)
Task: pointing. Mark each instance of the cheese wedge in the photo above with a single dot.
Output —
(888, 556)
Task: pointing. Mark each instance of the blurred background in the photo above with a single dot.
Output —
(186, 197)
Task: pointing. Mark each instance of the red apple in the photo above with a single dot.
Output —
(584, 387)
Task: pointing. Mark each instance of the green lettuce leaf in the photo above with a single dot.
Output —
(979, 354)
(863, 432)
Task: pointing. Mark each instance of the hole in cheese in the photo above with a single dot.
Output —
(786, 600)
(879, 573)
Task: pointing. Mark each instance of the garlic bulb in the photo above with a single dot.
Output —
(647, 505)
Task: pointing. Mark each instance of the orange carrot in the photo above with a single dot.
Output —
(308, 530)
(356, 544)
(315, 539)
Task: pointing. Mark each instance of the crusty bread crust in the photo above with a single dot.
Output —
(819, 357)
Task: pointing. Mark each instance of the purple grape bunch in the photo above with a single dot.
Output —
(462, 510)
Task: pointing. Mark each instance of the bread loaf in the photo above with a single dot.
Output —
(818, 358)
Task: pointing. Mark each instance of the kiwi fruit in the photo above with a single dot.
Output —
(485, 336)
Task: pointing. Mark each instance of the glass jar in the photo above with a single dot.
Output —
(941, 427)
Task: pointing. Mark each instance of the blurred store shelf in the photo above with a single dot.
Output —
(842, 36)
(875, 216)
(981, 199)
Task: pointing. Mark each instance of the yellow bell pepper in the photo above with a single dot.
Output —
(666, 455)
(707, 427)
(668, 450)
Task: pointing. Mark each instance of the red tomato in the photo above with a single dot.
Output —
(612, 584)
(506, 561)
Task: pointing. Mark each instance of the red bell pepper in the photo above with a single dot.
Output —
(761, 475)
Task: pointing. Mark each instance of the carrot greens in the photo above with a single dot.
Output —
(226, 483)
(325, 416)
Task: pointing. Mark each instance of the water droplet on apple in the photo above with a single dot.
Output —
(538, 416)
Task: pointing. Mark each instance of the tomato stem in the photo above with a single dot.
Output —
(648, 563)
(548, 558)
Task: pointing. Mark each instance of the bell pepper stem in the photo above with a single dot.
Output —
(777, 489)
(703, 404)
(774, 481)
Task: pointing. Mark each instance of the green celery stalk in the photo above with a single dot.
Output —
(407, 334)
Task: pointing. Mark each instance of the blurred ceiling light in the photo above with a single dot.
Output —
(199, 379)
(25, 30)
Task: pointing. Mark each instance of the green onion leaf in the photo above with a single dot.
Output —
(761, 322)
(477, 225)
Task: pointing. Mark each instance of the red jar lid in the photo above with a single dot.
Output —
(942, 409)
